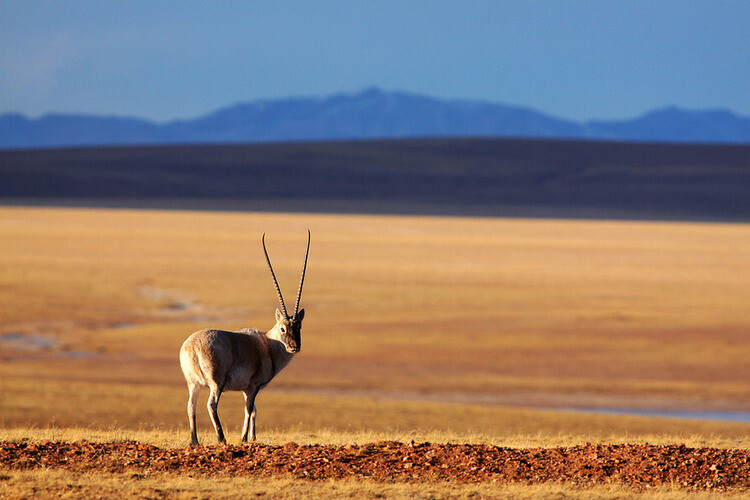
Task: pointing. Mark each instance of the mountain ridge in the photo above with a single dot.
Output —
(369, 114)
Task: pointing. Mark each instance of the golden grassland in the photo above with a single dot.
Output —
(528, 310)
(426, 328)
(60, 484)
(698, 436)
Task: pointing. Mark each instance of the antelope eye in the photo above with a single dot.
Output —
(283, 329)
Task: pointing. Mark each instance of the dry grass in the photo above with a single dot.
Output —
(546, 438)
(61, 484)
(523, 311)
(123, 408)
(527, 311)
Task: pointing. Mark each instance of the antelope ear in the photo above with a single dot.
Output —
(300, 315)
(279, 316)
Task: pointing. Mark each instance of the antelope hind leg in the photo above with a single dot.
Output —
(193, 390)
(213, 407)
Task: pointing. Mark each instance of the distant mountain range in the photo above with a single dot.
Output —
(370, 114)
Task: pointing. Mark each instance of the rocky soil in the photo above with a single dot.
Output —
(638, 466)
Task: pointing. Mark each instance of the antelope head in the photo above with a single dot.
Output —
(288, 327)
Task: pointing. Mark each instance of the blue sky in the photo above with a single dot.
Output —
(177, 59)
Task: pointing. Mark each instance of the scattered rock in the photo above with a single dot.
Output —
(640, 466)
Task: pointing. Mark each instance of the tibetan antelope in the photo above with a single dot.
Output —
(245, 360)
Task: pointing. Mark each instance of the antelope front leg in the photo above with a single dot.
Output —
(250, 413)
(213, 407)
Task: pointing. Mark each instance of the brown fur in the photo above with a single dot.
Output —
(245, 360)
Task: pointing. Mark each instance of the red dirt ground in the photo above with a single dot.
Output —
(634, 465)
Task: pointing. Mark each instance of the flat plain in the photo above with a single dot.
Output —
(449, 329)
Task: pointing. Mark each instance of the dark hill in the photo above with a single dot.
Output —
(453, 176)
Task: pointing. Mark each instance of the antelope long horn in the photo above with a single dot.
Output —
(302, 279)
(275, 282)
